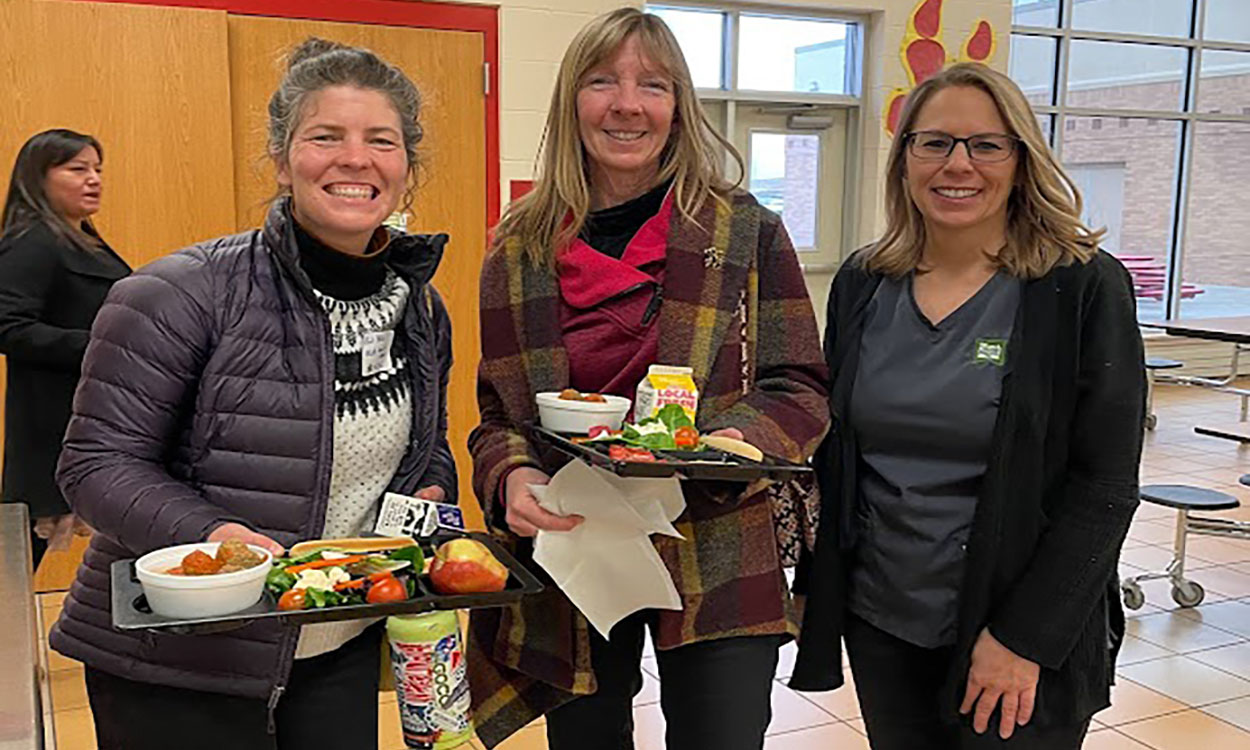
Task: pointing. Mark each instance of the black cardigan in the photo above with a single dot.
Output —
(50, 292)
(1058, 496)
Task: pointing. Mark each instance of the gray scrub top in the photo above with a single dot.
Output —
(923, 410)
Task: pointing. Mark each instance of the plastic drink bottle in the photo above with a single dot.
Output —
(431, 680)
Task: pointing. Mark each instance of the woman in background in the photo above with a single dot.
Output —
(988, 391)
(55, 271)
(229, 395)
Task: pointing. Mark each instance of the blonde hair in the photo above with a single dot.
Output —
(1044, 227)
(552, 214)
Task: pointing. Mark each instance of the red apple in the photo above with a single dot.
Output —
(466, 566)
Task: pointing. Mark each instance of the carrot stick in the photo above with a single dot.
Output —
(340, 562)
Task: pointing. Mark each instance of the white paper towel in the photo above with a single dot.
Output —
(607, 566)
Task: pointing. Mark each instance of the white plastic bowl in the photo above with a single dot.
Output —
(199, 596)
(561, 415)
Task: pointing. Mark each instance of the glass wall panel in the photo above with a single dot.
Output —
(701, 35)
(793, 54)
(1111, 75)
(1228, 21)
(1035, 12)
(1216, 268)
(1125, 169)
(1031, 64)
(1224, 84)
(1153, 17)
(785, 177)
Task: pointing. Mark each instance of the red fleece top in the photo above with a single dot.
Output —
(609, 308)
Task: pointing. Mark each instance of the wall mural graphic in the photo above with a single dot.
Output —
(923, 53)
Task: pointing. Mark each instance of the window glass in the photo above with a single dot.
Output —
(1031, 64)
(1215, 275)
(1047, 124)
(1112, 75)
(1224, 84)
(701, 35)
(1227, 21)
(1154, 17)
(1127, 177)
(1035, 12)
(785, 177)
(793, 54)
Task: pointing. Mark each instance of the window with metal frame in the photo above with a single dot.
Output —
(1147, 104)
(784, 86)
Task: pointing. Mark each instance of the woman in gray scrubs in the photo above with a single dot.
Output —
(988, 393)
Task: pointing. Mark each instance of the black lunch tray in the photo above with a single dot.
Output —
(709, 464)
(131, 611)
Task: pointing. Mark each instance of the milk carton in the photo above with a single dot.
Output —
(666, 384)
(401, 515)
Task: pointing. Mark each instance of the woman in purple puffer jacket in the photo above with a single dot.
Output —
(225, 395)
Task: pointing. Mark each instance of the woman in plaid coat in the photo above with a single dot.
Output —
(633, 250)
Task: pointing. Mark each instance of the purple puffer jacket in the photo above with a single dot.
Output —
(207, 396)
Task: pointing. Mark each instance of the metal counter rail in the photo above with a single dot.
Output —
(21, 715)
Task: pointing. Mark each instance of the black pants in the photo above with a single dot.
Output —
(715, 695)
(38, 546)
(898, 684)
(331, 701)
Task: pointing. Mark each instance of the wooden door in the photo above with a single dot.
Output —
(149, 83)
(451, 194)
(177, 98)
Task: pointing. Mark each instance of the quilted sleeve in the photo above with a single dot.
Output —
(139, 378)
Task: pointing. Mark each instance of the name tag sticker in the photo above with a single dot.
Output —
(990, 352)
(375, 352)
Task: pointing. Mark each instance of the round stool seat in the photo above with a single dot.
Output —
(1244, 479)
(1186, 497)
(1162, 363)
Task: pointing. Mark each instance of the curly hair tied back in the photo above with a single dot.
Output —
(317, 64)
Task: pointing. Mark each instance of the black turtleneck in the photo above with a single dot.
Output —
(339, 275)
(609, 230)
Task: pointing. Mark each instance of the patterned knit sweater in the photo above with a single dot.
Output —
(373, 400)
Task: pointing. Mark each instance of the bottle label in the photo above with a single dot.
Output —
(431, 683)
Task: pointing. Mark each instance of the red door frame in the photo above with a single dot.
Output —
(483, 19)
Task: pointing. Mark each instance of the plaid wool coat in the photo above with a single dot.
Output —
(736, 310)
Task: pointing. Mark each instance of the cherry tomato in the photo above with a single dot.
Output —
(292, 600)
(389, 589)
(686, 437)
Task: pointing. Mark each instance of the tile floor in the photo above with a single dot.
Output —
(1184, 675)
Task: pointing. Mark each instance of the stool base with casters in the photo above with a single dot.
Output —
(1153, 364)
(1185, 500)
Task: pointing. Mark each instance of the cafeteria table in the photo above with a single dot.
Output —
(1234, 330)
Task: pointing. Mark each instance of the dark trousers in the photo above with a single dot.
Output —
(331, 701)
(38, 546)
(715, 695)
(898, 684)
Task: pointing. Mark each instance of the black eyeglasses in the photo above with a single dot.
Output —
(934, 145)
